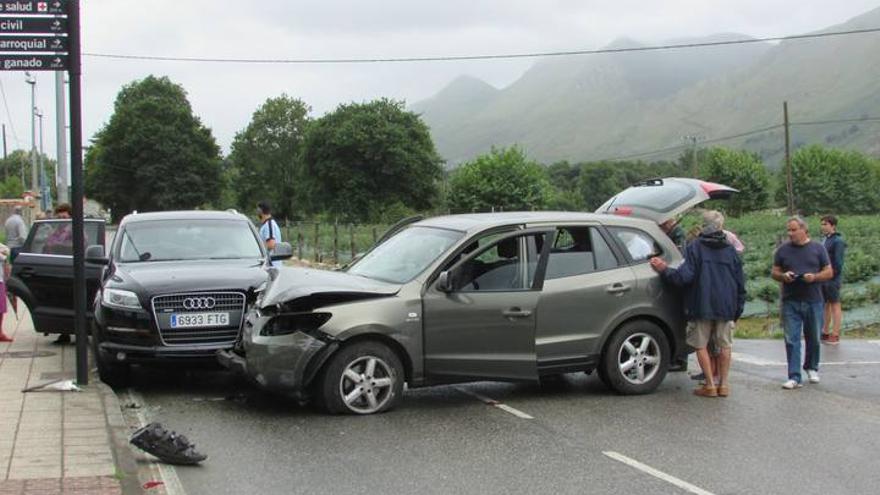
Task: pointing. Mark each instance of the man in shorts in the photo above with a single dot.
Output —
(714, 282)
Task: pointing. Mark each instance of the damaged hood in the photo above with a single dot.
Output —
(302, 289)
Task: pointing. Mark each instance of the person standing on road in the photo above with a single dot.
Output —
(269, 231)
(16, 232)
(801, 265)
(836, 247)
(715, 294)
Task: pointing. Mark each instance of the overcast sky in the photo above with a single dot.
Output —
(225, 95)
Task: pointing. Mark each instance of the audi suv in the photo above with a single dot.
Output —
(174, 288)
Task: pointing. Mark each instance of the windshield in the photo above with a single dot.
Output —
(406, 254)
(167, 240)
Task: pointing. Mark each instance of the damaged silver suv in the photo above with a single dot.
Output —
(502, 296)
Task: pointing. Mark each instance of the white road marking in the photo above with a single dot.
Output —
(684, 485)
(495, 403)
(754, 360)
(171, 483)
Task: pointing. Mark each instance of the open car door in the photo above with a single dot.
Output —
(42, 274)
(661, 199)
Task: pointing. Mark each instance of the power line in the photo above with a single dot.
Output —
(451, 58)
(739, 135)
(9, 115)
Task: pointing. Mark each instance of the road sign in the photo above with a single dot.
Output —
(33, 44)
(34, 7)
(33, 62)
(32, 25)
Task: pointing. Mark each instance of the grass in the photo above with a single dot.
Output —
(771, 328)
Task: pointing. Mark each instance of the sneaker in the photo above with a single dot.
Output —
(791, 385)
(833, 340)
(814, 376)
(824, 337)
(699, 376)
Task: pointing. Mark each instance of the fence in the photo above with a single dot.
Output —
(331, 243)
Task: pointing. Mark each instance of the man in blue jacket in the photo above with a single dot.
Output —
(715, 294)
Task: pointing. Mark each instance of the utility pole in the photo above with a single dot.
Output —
(61, 174)
(789, 186)
(695, 166)
(6, 168)
(30, 79)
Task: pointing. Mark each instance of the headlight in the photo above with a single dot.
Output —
(286, 324)
(117, 298)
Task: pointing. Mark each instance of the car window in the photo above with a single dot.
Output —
(662, 197)
(578, 250)
(639, 244)
(166, 240)
(57, 237)
(405, 254)
(507, 264)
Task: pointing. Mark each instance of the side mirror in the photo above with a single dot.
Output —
(283, 251)
(443, 283)
(95, 254)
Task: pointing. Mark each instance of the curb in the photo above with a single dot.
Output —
(117, 429)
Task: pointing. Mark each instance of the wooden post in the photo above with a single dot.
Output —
(374, 235)
(351, 240)
(317, 240)
(336, 241)
(789, 185)
(299, 244)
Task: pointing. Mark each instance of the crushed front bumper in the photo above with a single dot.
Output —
(285, 364)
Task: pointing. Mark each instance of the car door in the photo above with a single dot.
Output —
(661, 199)
(587, 287)
(42, 274)
(482, 326)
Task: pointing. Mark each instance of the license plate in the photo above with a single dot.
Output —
(199, 320)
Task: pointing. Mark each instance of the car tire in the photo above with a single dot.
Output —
(636, 358)
(362, 378)
(113, 374)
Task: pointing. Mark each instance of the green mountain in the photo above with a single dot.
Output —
(579, 108)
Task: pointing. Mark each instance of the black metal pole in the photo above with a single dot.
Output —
(76, 169)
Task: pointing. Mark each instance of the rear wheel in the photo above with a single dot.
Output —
(636, 358)
(362, 378)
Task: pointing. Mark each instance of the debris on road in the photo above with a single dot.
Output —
(168, 446)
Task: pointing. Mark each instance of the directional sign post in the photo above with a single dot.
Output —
(43, 35)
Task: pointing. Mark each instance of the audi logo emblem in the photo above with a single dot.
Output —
(199, 303)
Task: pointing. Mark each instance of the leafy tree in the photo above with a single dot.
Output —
(741, 170)
(363, 158)
(266, 157)
(153, 154)
(828, 180)
(501, 179)
(18, 163)
(11, 187)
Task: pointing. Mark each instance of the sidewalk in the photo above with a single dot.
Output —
(54, 442)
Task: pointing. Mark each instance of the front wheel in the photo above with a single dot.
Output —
(116, 375)
(636, 358)
(362, 378)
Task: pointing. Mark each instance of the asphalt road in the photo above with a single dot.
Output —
(572, 436)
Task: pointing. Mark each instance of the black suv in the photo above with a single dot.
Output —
(173, 287)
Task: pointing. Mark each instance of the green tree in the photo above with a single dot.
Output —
(18, 164)
(502, 179)
(266, 157)
(741, 170)
(153, 154)
(362, 159)
(828, 180)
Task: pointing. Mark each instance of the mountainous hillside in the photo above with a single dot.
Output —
(579, 108)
